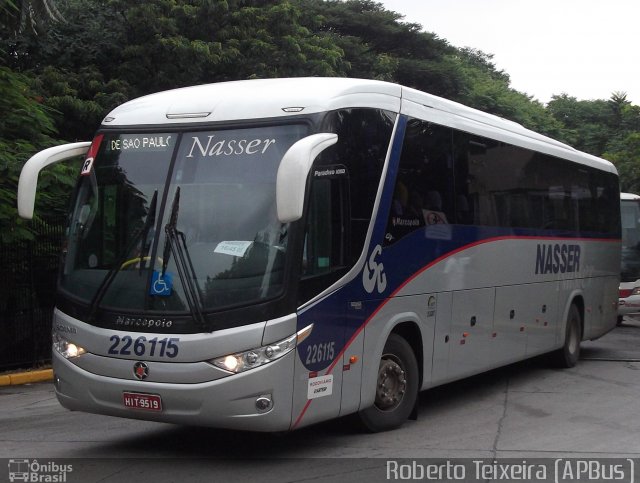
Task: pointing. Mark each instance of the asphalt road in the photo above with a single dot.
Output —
(524, 411)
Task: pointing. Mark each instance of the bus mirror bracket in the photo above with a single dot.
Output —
(293, 171)
(29, 175)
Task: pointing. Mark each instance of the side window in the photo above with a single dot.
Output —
(606, 211)
(497, 184)
(558, 186)
(343, 188)
(484, 186)
(326, 230)
(363, 142)
(422, 194)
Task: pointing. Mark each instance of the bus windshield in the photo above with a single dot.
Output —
(159, 218)
(630, 213)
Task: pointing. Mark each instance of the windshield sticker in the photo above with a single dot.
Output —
(86, 167)
(161, 285)
(159, 142)
(228, 147)
(234, 248)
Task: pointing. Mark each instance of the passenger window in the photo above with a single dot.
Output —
(422, 194)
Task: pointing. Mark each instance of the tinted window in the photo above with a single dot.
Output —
(423, 190)
(498, 184)
(344, 184)
(327, 228)
(448, 176)
(363, 142)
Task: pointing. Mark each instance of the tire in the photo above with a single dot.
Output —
(396, 387)
(570, 353)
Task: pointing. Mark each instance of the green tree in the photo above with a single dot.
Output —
(488, 89)
(587, 125)
(378, 45)
(625, 154)
(18, 15)
(25, 128)
(109, 51)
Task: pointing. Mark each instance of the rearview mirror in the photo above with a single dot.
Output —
(29, 175)
(293, 171)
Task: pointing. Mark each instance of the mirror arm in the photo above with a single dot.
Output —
(29, 175)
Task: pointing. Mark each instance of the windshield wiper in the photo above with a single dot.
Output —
(175, 244)
(149, 222)
(113, 271)
(170, 227)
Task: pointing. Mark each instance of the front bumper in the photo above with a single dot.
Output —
(228, 402)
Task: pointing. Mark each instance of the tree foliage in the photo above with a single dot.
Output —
(19, 15)
(25, 128)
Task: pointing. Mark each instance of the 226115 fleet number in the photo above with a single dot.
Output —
(126, 346)
(320, 352)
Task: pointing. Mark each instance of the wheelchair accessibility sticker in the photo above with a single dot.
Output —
(161, 284)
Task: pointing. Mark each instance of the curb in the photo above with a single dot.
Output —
(26, 377)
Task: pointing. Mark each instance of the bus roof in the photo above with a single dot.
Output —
(272, 98)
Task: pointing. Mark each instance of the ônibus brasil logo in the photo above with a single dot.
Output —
(33, 471)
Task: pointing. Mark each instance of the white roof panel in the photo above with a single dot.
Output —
(254, 99)
(270, 98)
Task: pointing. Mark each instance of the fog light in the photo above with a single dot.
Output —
(264, 403)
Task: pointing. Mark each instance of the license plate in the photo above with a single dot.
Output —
(146, 402)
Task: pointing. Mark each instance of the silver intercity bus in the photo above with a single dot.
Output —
(267, 254)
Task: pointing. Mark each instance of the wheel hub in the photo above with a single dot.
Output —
(392, 385)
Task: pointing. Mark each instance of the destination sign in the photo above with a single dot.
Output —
(141, 142)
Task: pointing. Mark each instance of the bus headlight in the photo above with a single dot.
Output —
(65, 348)
(243, 361)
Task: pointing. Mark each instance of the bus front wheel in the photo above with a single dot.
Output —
(396, 387)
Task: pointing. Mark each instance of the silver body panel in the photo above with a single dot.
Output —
(192, 390)
(223, 403)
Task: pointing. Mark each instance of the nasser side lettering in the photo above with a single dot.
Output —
(557, 258)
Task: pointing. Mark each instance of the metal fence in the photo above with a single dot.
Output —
(28, 272)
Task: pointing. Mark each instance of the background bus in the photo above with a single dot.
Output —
(269, 254)
(630, 264)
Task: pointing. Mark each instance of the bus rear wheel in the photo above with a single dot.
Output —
(396, 387)
(570, 353)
